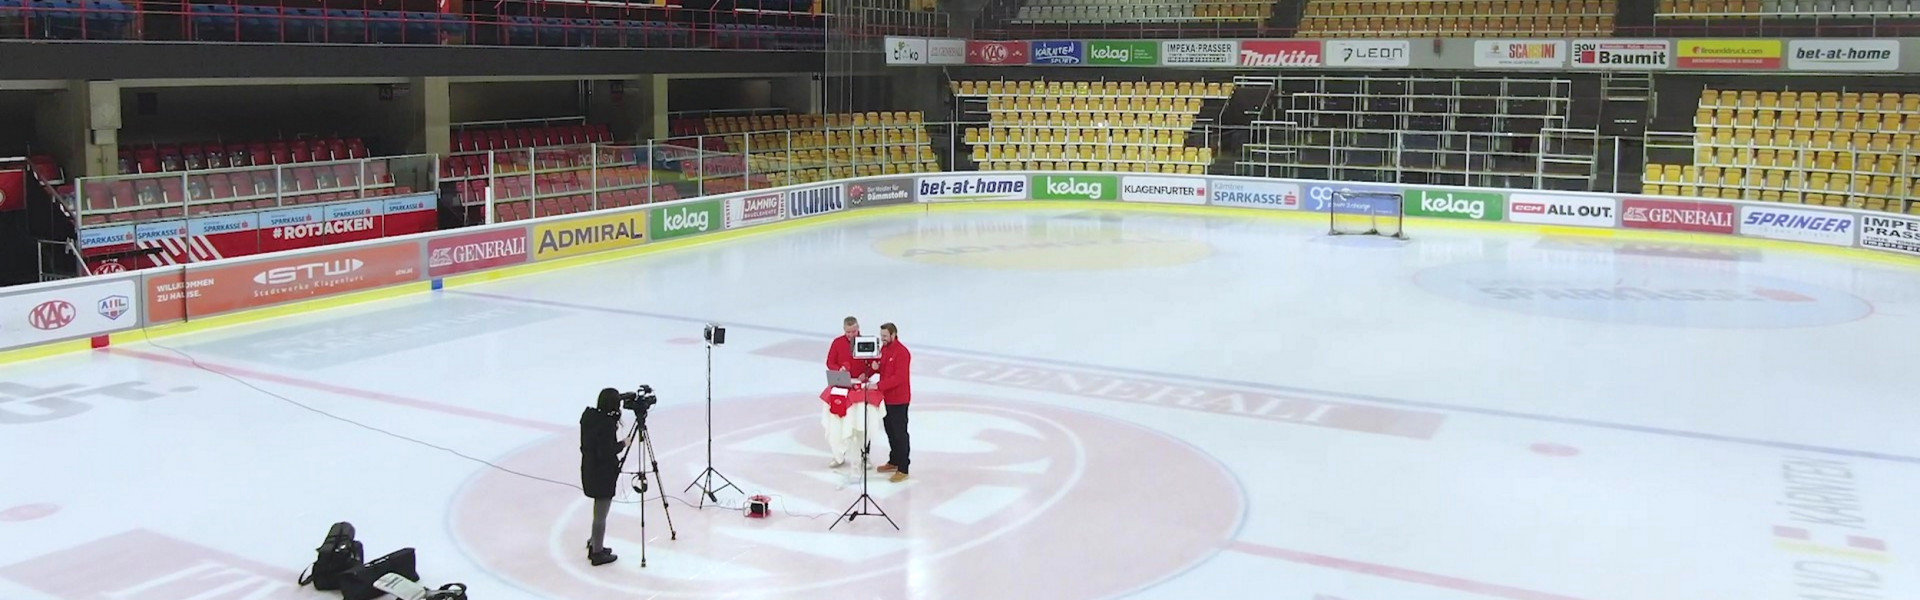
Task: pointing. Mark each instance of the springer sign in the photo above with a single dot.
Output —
(1781, 223)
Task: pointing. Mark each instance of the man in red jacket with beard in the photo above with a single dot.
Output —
(896, 388)
(842, 420)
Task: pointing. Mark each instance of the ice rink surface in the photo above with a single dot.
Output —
(1107, 404)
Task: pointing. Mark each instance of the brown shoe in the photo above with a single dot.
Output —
(886, 468)
(898, 477)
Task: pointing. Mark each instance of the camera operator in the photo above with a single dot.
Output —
(600, 449)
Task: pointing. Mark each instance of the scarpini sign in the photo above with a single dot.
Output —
(1174, 190)
(1076, 187)
(816, 201)
(1199, 53)
(1254, 194)
(1451, 204)
(1781, 223)
(972, 187)
(880, 192)
(1898, 234)
(1520, 53)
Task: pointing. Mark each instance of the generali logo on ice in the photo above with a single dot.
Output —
(1280, 53)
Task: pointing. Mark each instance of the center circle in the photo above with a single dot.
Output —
(1007, 500)
(1044, 245)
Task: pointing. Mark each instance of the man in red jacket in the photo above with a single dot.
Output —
(896, 388)
(841, 429)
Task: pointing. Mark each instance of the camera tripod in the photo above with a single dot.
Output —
(650, 463)
(858, 509)
(704, 480)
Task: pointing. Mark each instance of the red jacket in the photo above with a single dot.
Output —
(840, 356)
(896, 373)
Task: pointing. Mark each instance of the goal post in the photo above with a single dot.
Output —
(1366, 213)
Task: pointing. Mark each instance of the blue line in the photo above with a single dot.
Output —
(1491, 412)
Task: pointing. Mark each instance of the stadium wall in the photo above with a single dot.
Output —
(72, 315)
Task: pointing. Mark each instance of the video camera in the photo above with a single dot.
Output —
(639, 400)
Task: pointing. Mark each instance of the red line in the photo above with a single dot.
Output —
(458, 411)
(1410, 576)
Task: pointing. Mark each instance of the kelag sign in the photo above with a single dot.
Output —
(1123, 54)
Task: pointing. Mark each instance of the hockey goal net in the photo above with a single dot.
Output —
(1366, 213)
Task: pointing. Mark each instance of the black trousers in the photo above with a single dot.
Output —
(899, 443)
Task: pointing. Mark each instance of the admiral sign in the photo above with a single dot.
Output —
(1369, 53)
(1622, 54)
(1520, 53)
(1279, 53)
(1844, 55)
(756, 209)
(1215, 53)
(1058, 52)
(1254, 194)
(1780, 223)
(70, 312)
(997, 53)
(1175, 190)
(816, 201)
(1898, 234)
(1543, 209)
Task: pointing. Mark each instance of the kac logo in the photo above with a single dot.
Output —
(51, 315)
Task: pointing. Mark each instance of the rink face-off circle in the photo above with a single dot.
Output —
(1007, 500)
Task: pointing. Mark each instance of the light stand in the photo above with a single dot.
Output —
(858, 509)
(715, 335)
(650, 462)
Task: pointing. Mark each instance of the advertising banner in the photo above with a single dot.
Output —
(1677, 215)
(946, 51)
(197, 292)
(1532, 54)
(755, 209)
(816, 201)
(1781, 223)
(997, 53)
(1622, 54)
(1200, 53)
(1544, 209)
(1175, 190)
(475, 251)
(1455, 204)
(1319, 197)
(1369, 53)
(1843, 54)
(1744, 55)
(682, 220)
(574, 237)
(1254, 194)
(1057, 52)
(1076, 187)
(880, 192)
(972, 187)
(1280, 53)
(1899, 234)
(68, 312)
(13, 190)
(1123, 53)
(906, 50)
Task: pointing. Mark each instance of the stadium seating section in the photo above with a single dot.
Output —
(543, 170)
(1685, 9)
(1457, 18)
(1139, 127)
(793, 149)
(1142, 11)
(1827, 148)
(216, 155)
(145, 197)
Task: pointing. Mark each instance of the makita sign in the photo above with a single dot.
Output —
(1280, 53)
